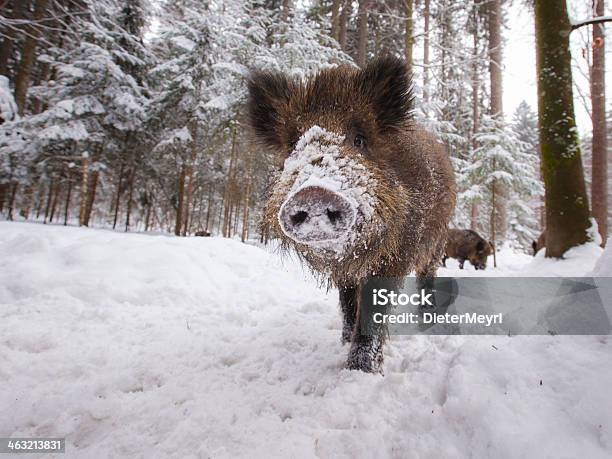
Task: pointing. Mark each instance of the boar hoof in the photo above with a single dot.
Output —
(366, 356)
(347, 333)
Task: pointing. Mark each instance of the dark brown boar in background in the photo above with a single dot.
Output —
(364, 191)
(467, 245)
(539, 244)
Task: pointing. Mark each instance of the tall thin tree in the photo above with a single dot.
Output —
(426, 18)
(362, 33)
(599, 173)
(28, 55)
(496, 109)
(408, 34)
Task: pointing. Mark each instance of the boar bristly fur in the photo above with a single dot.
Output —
(399, 176)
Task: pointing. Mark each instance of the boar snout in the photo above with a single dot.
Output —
(315, 214)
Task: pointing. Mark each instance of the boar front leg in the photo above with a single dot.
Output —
(366, 352)
(427, 272)
(348, 305)
(425, 275)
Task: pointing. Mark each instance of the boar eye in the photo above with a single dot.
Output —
(359, 141)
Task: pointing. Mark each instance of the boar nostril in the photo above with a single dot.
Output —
(299, 217)
(333, 215)
(317, 161)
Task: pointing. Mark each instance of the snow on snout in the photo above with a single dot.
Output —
(318, 161)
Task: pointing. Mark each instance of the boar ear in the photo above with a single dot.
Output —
(269, 94)
(387, 88)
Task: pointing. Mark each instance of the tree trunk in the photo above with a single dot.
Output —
(335, 20)
(475, 110)
(11, 204)
(285, 11)
(49, 199)
(29, 196)
(567, 207)
(28, 55)
(599, 165)
(377, 33)
(345, 16)
(208, 209)
(37, 103)
(148, 216)
(179, 205)
(55, 200)
(245, 213)
(8, 44)
(118, 195)
(200, 199)
(426, 52)
(236, 215)
(263, 239)
(83, 197)
(362, 33)
(91, 197)
(192, 160)
(4, 192)
(234, 212)
(408, 35)
(495, 58)
(492, 221)
(229, 189)
(128, 212)
(496, 108)
(41, 200)
(228, 225)
(474, 216)
(67, 204)
(219, 217)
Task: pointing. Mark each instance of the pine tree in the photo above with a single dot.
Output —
(93, 101)
(502, 159)
(525, 125)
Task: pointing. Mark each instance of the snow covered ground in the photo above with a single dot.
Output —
(154, 346)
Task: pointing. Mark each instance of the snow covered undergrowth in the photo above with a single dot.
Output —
(579, 261)
(154, 346)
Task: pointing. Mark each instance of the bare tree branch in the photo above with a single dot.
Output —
(597, 20)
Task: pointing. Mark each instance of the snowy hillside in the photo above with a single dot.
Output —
(155, 346)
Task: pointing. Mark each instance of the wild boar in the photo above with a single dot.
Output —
(539, 244)
(464, 244)
(362, 191)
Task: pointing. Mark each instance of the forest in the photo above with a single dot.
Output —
(130, 114)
